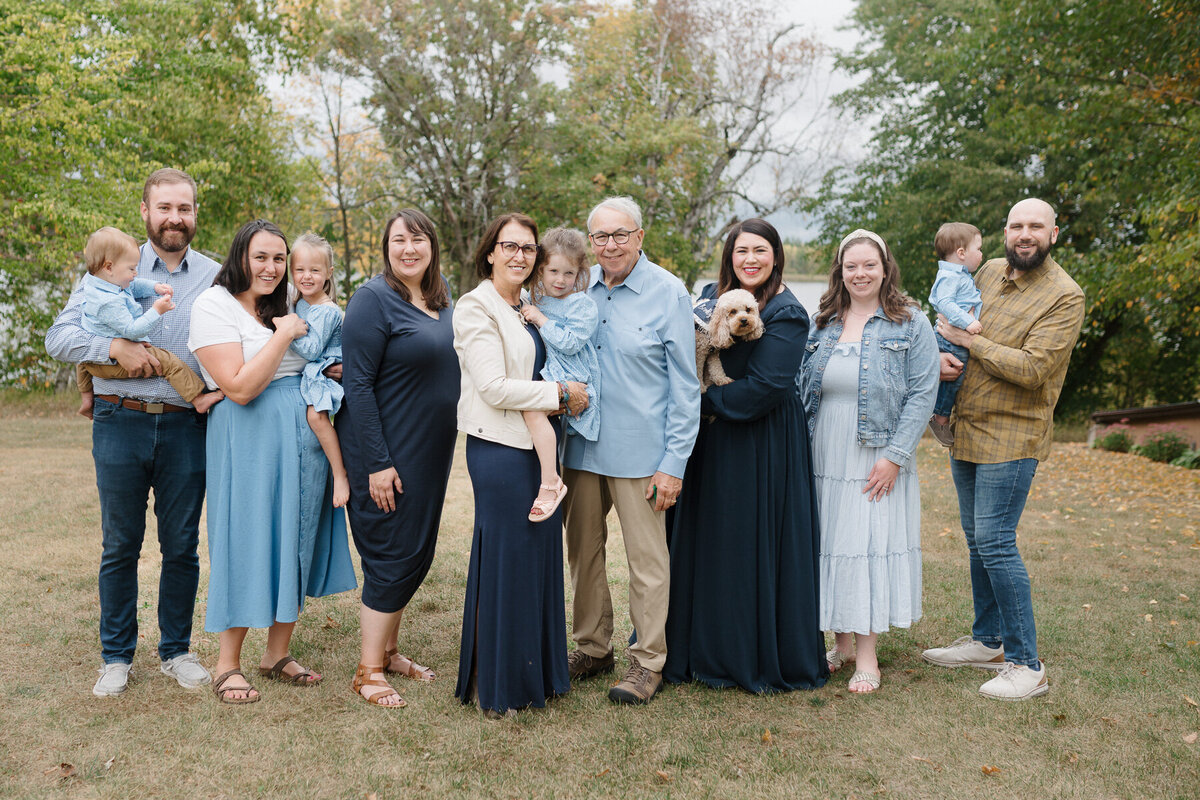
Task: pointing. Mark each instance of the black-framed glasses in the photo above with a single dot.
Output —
(510, 249)
(620, 236)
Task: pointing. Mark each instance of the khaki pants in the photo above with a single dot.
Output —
(644, 530)
(177, 373)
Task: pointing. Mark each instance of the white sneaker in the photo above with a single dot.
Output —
(113, 680)
(1016, 682)
(188, 670)
(966, 652)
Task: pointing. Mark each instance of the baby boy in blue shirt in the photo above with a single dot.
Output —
(959, 247)
(111, 290)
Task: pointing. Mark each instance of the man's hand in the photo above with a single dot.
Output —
(334, 372)
(951, 367)
(135, 358)
(577, 399)
(664, 490)
(954, 335)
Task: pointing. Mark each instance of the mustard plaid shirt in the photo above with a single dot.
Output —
(1005, 409)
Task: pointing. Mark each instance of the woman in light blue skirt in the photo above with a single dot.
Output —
(274, 536)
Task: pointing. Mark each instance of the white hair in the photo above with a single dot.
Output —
(624, 204)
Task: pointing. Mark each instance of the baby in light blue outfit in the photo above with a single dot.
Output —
(111, 291)
(959, 247)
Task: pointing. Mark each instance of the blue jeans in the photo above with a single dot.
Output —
(135, 452)
(991, 498)
(948, 390)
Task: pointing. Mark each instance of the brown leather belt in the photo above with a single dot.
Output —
(142, 405)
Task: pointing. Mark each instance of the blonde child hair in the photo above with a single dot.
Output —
(321, 245)
(104, 246)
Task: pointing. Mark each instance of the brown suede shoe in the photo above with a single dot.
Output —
(637, 687)
(581, 666)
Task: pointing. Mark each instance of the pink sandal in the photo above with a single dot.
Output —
(544, 509)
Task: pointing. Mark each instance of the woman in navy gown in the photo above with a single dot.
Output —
(514, 634)
(744, 540)
(397, 434)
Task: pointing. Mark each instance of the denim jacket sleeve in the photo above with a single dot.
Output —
(921, 380)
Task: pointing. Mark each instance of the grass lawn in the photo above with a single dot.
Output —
(1110, 541)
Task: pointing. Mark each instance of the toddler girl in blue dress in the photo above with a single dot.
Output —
(566, 318)
(312, 275)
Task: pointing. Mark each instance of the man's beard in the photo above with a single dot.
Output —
(1033, 261)
(170, 239)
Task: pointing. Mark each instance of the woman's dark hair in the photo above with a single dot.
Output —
(727, 278)
(433, 287)
(836, 300)
(483, 268)
(234, 274)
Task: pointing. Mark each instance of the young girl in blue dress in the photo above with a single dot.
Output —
(312, 275)
(566, 318)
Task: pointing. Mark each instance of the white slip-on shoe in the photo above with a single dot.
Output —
(113, 679)
(966, 652)
(1016, 682)
(187, 670)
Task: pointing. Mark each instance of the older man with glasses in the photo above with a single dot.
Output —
(649, 416)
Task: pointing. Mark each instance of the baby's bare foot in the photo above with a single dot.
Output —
(341, 490)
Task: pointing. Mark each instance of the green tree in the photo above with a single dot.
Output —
(682, 104)
(96, 95)
(1089, 105)
(461, 101)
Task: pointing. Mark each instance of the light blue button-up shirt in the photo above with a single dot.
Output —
(954, 294)
(109, 310)
(68, 341)
(650, 398)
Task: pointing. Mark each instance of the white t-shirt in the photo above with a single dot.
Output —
(218, 318)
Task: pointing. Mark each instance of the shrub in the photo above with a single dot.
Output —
(1164, 443)
(1115, 438)
(1190, 460)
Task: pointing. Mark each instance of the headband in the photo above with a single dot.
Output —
(862, 234)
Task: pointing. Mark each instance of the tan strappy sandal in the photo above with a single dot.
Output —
(362, 677)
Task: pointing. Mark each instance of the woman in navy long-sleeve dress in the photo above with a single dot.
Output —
(744, 542)
(397, 430)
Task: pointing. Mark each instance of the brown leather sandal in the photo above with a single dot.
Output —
(417, 672)
(362, 677)
(276, 673)
(220, 689)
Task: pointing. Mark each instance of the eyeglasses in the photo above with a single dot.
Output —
(510, 248)
(620, 236)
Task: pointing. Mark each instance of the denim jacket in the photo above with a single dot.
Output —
(897, 382)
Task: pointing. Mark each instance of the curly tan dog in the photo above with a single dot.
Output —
(735, 318)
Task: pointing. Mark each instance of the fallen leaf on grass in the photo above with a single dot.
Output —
(330, 622)
(1149, 618)
(936, 767)
(1190, 738)
(1190, 701)
(662, 776)
(1072, 758)
(988, 769)
(1087, 606)
(108, 764)
(1153, 602)
(766, 737)
(602, 773)
(371, 796)
(1183, 598)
